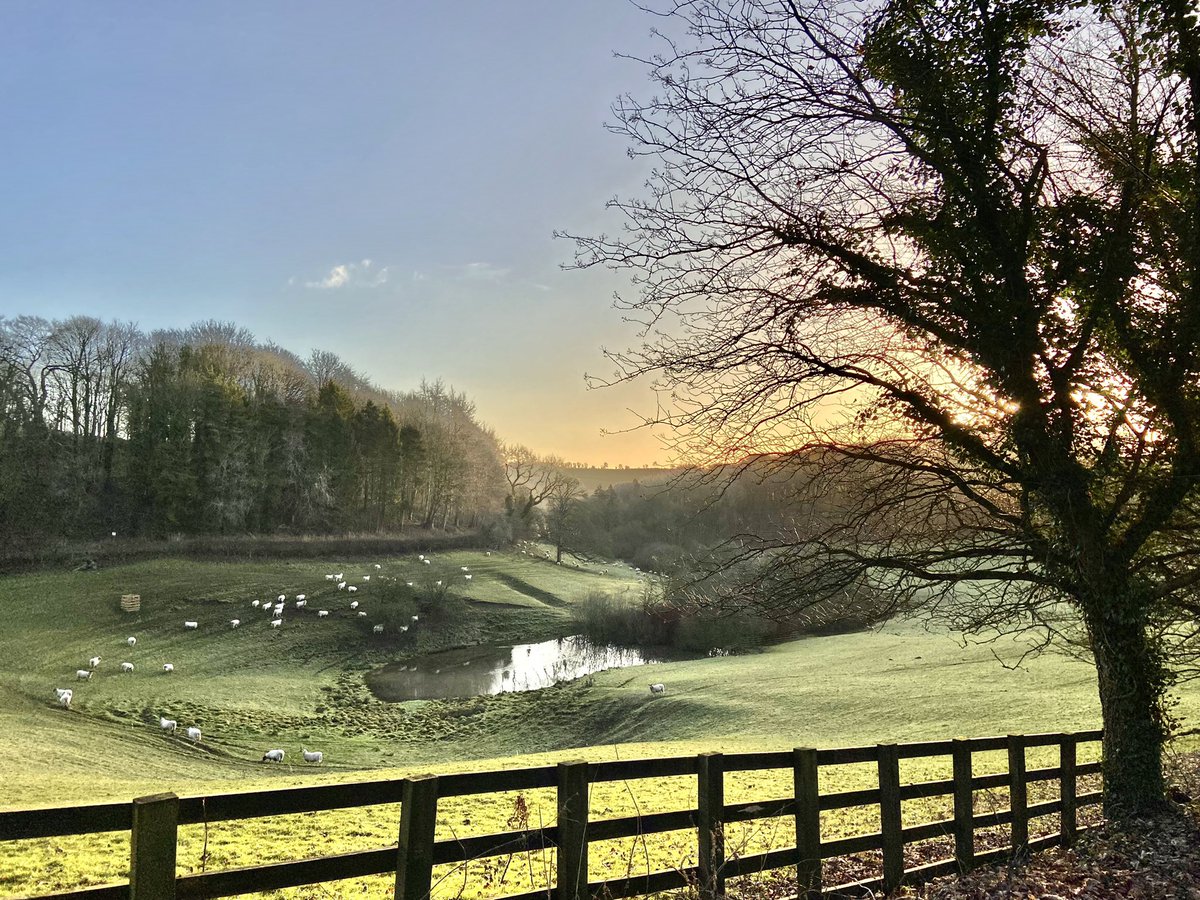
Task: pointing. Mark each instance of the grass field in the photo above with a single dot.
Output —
(255, 687)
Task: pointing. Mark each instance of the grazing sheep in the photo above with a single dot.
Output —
(281, 598)
(167, 724)
(340, 576)
(378, 629)
(93, 662)
(409, 583)
(191, 625)
(168, 668)
(194, 734)
(273, 756)
(468, 577)
(83, 674)
(329, 578)
(464, 568)
(313, 756)
(415, 617)
(254, 603)
(426, 562)
(300, 604)
(275, 623)
(64, 697)
(234, 623)
(131, 641)
(487, 553)
(366, 578)
(352, 589)
(354, 604)
(322, 613)
(341, 585)
(420, 556)
(302, 596)
(404, 628)
(378, 566)
(362, 612)
(658, 688)
(126, 667)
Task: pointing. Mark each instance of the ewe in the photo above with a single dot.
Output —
(191, 625)
(93, 662)
(352, 589)
(194, 734)
(168, 668)
(167, 724)
(322, 613)
(314, 756)
(64, 696)
(658, 688)
(275, 623)
(126, 667)
(273, 756)
(83, 674)
(234, 623)
(131, 641)
(354, 604)
(378, 629)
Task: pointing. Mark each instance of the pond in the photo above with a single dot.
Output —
(475, 671)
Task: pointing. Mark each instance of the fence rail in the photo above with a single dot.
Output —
(153, 823)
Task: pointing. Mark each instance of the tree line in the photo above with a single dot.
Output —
(204, 430)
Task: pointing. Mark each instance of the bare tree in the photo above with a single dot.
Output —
(532, 480)
(947, 250)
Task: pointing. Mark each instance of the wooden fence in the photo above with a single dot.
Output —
(154, 821)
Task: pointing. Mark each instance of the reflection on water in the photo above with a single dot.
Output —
(472, 671)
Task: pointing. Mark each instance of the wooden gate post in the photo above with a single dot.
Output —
(418, 821)
(808, 824)
(710, 824)
(1018, 796)
(964, 805)
(572, 873)
(152, 847)
(1068, 824)
(890, 821)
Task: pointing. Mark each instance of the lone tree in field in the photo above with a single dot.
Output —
(949, 248)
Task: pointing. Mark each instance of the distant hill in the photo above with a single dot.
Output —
(592, 478)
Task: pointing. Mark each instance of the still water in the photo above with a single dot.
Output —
(473, 671)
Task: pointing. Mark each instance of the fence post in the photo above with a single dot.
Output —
(418, 819)
(152, 847)
(572, 831)
(1067, 789)
(964, 805)
(890, 823)
(808, 824)
(710, 824)
(1018, 795)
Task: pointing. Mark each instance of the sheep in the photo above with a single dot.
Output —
(83, 674)
(234, 623)
(64, 697)
(126, 667)
(658, 688)
(281, 598)
(300, 604)
(409, 583)
(341, 585)
(93, 662)
(404, 628)
(366, 578)
(167, 724)
(61, 691)
(302, 597)
(273, 756)
(329, 578)
(191, 625)
(464, 568)
(275, 623)
(468, 577)
(487, 553)
(194, 734)
(378, 566)
(131, 641)
(340, 576)
(378, 629)
(352, 589)
(322, 613)
(361, 613)
(415, 617)
(354, 604)
(420, 556)
(168, 668)
(426, 562)
(312, 756)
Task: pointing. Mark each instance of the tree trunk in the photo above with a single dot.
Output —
(1131, 682)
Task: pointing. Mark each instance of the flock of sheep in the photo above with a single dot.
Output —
(273, 608)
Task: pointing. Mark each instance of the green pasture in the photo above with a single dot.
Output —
(254, 688)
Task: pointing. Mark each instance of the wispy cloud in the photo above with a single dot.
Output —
(480, 271)
(353, 274)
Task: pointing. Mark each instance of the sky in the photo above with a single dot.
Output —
(377, 179)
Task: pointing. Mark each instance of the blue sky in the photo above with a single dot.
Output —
(376, 179)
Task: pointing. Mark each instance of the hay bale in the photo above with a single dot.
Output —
(131, 602)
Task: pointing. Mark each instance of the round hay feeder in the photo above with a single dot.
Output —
(131, 603)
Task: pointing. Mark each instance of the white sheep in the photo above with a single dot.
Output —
(312, 756)
(281, 598)
(168, 668)
(409, 583)
(341, 585)
(300, 604)
(404, 628)
(322, 613)
(131, 641)
(658, 688)
(194, 734)
(426, 562)
(468, 577)
(93, 662)
(362, 612)
(487, 553)
(234, 623)
(126, 667)
(302, 597)
(340, 576)
(65, 697)
(352, 589)
(329, 578)
(83, 674)
(378, 629)
(275, 623)
(191, 625)
(167, 724)
(366, 578)
(439, 584)
(378, 566)
(420, 556)
(273, 756)
(254, 603)
(354, 604)
(415, 617)
(464, 568)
